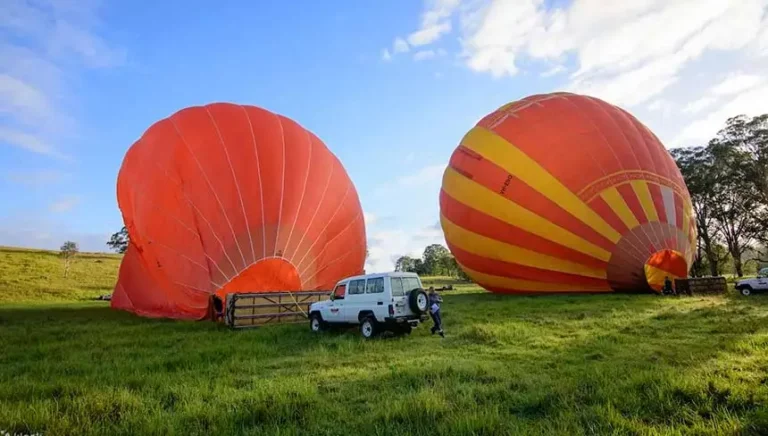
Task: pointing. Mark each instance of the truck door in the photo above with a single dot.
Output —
(762, 283)
(398, 296)
(335, 308)
(374, 293)
(355, 300)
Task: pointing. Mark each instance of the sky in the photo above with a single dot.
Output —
(390, 86)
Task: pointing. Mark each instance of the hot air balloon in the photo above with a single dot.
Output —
(564, 193)
(224, 198)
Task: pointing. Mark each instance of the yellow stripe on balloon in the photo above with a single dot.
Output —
(617, 203)
(490, 203)
(656, 276)
(499, 151)
(482, 246)
(528, 285)
(646, 201)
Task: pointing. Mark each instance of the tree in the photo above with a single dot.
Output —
(119, 241)
(737, 205)
(433, 259)
(419, 267)
(404, 264)
(696, 166)
(68, 252)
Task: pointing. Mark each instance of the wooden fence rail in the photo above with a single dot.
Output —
(246, 310)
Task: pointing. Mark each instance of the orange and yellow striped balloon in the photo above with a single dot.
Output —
(566, 193)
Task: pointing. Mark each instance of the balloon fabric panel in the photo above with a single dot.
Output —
(230, 198)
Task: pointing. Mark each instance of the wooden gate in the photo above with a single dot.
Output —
(244, 310)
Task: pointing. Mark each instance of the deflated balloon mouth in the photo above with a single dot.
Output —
(271, 274)
(662, 265)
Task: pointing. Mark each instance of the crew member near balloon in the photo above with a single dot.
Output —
(434, 312)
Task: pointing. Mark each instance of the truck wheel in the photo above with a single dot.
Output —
(316, 322)
(418, 301)
(746, 291)
(368, 327)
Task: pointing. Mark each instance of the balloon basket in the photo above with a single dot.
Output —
(701, 286)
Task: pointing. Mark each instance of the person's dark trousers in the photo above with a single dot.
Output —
(438, 327)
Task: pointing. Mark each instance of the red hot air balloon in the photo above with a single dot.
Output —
(566, 193)
(223, 198)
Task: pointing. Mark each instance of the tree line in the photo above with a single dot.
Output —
(436, 261)
(728, 183)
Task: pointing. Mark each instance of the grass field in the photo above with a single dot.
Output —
(37, 275)
(528, 365)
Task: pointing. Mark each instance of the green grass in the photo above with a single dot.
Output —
(566, 365)
(36, 275)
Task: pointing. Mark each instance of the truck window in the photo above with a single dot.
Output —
(357, 287)
(375, 286)
(397, 287)
(410, 283)
(338, 293)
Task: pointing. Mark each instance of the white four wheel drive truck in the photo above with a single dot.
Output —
(392, 301)
(748, 287)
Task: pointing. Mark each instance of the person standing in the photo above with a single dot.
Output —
(434, 312)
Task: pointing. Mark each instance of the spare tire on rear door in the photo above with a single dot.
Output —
(418, 301)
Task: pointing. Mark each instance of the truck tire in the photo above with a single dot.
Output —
(369, 327)
(316, 323)
(746, 291)
(418, 301)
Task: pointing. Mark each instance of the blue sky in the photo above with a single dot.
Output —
(390, 87)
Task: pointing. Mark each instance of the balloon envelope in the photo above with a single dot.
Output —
(566, 193)
(224, 198)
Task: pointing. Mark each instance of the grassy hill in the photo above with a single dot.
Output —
(604, 364)
(37, 275)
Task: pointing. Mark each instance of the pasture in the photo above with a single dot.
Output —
(615, 364)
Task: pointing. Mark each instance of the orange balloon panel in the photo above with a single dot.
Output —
(664, 264)
(224, 198)
(563, 193)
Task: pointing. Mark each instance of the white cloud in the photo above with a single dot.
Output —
(36, 177)
(370, 218)
(425, 175)
(665, 107)
(424, 55)
(64, 204)
(435, 22)
(429, 35)
(738, 82)
(699, 105)
(386, 246)
(698, 132)
(30, 142)
(385, 55)
(46, 45)
(400, 46)
(626, 52)
(557, 69)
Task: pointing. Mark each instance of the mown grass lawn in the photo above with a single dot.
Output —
(508, 365)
